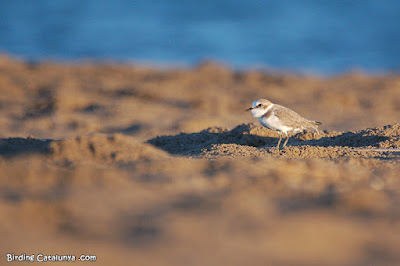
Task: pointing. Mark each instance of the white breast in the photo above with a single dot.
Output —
(274, 123)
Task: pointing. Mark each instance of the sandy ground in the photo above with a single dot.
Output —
(140, 166)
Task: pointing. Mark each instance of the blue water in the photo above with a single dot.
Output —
(323, 37)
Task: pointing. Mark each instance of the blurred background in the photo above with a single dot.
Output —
(162, 166)
(319, 37)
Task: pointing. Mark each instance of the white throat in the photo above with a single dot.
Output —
(257, 112)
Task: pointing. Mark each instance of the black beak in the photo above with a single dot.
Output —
(249, 109)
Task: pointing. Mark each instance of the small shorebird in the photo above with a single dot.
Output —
(280, 118)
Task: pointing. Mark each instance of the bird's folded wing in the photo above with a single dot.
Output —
(289, 117)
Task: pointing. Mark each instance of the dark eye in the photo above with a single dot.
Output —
(259, 105)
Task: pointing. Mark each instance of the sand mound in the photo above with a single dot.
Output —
(253, 140)
(244, 140)
(108, 148)
(98, 147)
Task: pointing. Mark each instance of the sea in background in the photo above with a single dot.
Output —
(319, 37)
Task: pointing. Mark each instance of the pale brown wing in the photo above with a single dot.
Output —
(289, 117)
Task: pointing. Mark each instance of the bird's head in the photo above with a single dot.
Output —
(259, 107)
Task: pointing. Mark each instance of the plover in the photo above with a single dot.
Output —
(281, 119)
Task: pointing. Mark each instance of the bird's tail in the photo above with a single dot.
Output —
(314, 125)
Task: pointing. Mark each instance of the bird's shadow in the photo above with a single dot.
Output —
(191, 144)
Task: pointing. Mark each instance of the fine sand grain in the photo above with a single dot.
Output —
(140, 166)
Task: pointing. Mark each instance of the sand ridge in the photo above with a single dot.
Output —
(252, 140)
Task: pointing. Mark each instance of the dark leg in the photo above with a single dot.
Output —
(280, 138)
(316, 132)
(287, 139)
